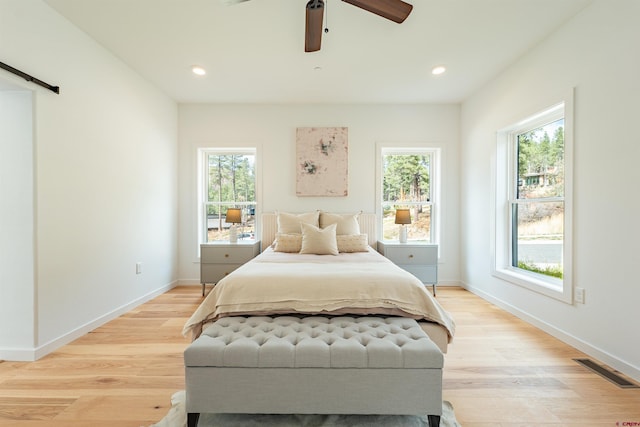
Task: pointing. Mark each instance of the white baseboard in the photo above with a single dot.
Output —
(17, 354)
(189, 282)
(451, 283)
(603, 356)
(31, 354)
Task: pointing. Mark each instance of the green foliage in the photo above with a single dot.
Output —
(541, 157)
(553, 270)
(406, 177)
(231, 178)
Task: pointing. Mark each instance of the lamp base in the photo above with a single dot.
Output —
(233, 234)
(403, 234)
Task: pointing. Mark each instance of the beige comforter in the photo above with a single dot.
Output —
(355, 283)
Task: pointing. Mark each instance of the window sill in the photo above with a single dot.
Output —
(550, 287)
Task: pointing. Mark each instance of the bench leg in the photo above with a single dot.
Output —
(434, 420)
(192, 419)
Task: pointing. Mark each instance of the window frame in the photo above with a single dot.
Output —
(202, 182)
(434, 183)
(506, 181)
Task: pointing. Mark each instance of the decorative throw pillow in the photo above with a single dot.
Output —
(346, 223)
(353, 243)
(290, 243)
(289, 223)
(319, 241)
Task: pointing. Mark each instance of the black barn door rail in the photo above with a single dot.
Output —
(29, 78)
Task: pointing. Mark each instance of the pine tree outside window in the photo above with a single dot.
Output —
(227, 180)
(409, 181)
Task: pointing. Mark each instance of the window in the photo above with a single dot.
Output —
(537, 201)
(227, 180)
(409, 181)
(533, 204)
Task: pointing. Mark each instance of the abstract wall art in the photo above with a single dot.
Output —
(322, 161)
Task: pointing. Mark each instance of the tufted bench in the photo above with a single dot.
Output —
(314, 365)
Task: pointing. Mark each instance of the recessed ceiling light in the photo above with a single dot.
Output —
(440, 69)
(198, 70)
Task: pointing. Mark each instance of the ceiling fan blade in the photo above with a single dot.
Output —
(394, 10)
(313, 30)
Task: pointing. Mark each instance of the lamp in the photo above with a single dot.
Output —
(403, 217)
(234, 216)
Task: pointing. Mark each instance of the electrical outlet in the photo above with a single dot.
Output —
(579, 297)
(138, 268)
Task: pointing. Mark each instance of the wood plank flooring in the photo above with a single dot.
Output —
(499, 372)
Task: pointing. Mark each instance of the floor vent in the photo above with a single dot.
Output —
(607, 373)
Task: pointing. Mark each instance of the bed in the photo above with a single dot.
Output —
(322, 263)
(318, 323)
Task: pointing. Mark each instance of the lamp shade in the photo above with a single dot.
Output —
(234, 215)
(403, 216)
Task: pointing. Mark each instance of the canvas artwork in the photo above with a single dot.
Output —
(322, 161)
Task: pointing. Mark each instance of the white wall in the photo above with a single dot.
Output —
(106, 176)
(272, 129)
(17, 266)
(597, 53)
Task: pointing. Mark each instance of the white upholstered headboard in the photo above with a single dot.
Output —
(270, 227)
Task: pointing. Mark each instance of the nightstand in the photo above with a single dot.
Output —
(419, 259)
(217, 259)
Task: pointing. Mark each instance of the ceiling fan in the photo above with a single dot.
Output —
(394, 10)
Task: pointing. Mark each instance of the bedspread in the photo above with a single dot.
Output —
(357, 283)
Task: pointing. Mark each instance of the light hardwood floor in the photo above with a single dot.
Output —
(499, 372)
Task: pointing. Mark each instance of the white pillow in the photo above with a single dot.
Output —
(290, 243)
(319, 241)
(353, 243)
(289, 223)
(347, 223)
